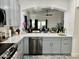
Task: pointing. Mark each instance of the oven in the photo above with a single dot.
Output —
(8, 54)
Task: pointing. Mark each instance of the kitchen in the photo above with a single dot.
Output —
(41, 30)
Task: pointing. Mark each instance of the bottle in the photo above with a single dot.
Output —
(9, 33)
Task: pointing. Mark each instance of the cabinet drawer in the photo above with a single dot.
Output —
(25, 45)
(67, 39)
(46, 47)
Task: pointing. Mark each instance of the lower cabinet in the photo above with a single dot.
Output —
(66, 45)
(51, 45)
(20, 50)
(25, 45)
(57, 45)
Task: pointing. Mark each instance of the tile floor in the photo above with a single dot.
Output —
(50, 57)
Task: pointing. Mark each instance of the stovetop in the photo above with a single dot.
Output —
(4, 47)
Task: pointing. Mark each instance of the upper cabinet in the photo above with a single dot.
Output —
(14, 12)
(12, 9)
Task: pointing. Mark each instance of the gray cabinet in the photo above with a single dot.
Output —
(66, 45)
(51, 45)
(57, 45)
(25, 45)
(20, 50)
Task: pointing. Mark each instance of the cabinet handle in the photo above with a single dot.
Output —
(65, 43)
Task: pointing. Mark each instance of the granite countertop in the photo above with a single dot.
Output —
(17, 38)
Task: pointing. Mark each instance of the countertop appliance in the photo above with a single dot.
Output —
(9, 52)
(35, 46)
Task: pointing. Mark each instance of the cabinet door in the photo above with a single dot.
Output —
(55, 45)
(46, 46)
(51, 45)
(25, 45)
(20, 50)
(14, 13)
(66, 45)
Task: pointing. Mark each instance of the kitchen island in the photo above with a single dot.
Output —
(51, 44)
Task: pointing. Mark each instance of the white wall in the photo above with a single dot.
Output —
(77, 3)
(72, 26)
(43, 3)
(76, 30)
(75, 50)
(69, 18)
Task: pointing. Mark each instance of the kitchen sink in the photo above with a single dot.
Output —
(36, 31)
(61, 34)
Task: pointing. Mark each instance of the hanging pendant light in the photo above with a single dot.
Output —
(48, 14)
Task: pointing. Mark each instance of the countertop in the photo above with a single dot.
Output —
(17, 38)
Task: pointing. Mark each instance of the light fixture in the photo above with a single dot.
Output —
(48, 14)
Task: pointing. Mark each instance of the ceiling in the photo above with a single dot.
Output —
(43, 3)
(42, 11)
